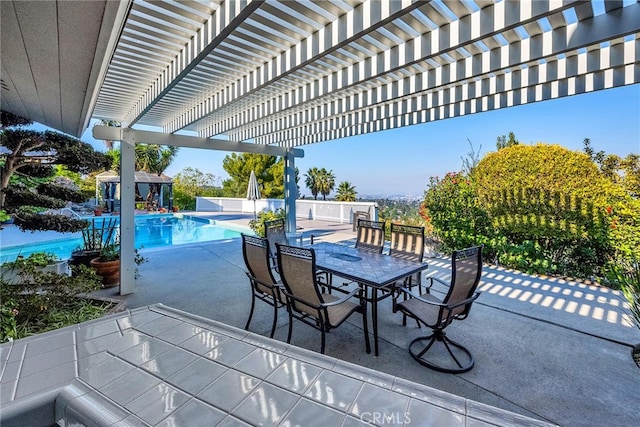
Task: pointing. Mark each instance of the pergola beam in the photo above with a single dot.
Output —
(135, 136)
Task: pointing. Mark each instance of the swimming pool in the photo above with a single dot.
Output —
(151, 231)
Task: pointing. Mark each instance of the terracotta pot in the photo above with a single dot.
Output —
(97, 212)
(108, 270)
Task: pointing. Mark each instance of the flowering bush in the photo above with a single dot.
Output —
(452, 211)
(556, 211)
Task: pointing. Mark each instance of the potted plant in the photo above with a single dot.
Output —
(94, 238)
(107, 264)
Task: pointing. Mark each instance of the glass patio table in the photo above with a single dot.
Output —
(371, 270)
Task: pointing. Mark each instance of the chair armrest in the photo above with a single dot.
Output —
(420, 297)
(466, 301)
(343, 299)
(431, 279)
(305, 302)
(277, 284)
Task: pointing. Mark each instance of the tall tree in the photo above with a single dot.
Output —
(503, 142)
(154, 158)
(27, 162)
(312, 181)
(326, 182)
(191, 183)
(269, 171)
(346, 192)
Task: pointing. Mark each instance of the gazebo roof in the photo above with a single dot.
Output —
(141, 177)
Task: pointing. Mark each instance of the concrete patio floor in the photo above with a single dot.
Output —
(551, 349)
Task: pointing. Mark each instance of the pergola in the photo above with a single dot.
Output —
(270, 76)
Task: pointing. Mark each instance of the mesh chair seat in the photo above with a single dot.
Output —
(437, 314)
(306, 300)
(338, 313)
(425, 313)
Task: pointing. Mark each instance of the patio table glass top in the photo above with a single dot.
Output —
(368, 268)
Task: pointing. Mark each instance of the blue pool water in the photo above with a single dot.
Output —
(151, 231)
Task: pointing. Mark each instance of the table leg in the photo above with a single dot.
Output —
(374, 319)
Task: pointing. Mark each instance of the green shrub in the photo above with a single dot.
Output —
(28, 304)
(555, 210)
(452, 209)
(257, 225)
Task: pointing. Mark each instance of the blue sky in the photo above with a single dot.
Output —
(400, 161)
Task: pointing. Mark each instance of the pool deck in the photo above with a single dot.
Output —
(556, 351)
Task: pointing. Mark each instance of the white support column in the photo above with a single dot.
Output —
(127, 213)
(290, 190)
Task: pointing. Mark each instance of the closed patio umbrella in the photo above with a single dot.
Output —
(253, 191)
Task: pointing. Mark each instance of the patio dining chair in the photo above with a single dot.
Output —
(437, 314)
(407, 242)
(370, 235)
(360, 215)
(264, 286)
(274, 231)
(306, 300)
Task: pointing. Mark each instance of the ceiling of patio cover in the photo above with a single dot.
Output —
(291, 73)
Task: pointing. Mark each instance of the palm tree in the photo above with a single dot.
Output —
(346, 192)
(154, 158)
(311, 181)
(326, 181)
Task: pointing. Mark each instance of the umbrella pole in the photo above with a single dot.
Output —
(255, 216)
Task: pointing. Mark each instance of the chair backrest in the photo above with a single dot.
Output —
(370, 235)
(297, 268)
(274, 231)
(256, 257)
(466, 270)
(407, 242)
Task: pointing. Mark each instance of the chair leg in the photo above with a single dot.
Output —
(290, 327)
(365, 326)
(275, 318)
(323, 339)
(452, 348)
(253, 303)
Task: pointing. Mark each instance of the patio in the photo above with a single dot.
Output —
(550, 349)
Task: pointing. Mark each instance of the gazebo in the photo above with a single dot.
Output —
(107, 184)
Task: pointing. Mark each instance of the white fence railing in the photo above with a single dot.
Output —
(322, 210)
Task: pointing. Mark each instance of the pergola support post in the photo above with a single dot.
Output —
(127, 213)
(290, 191)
